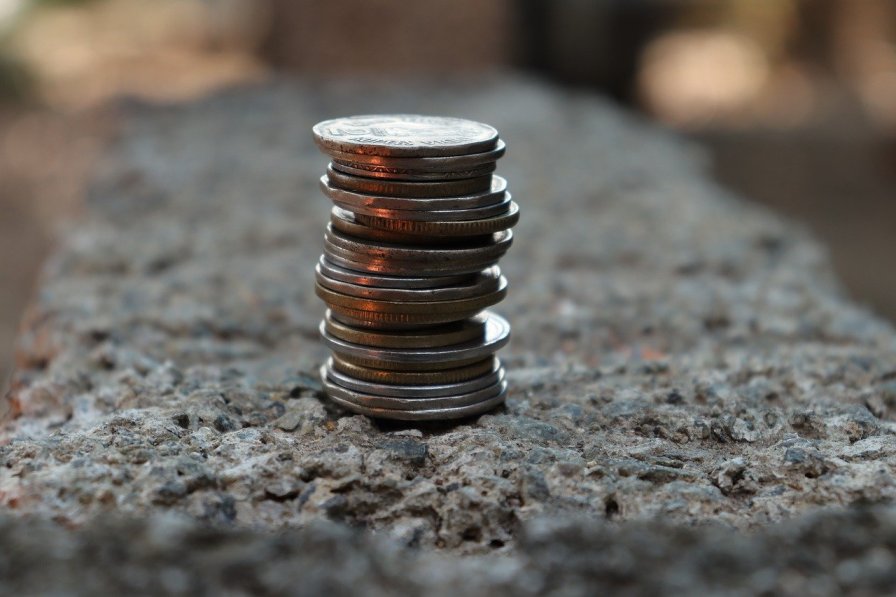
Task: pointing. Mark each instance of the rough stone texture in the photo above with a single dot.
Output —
(680, 357)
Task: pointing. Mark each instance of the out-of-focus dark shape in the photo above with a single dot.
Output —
(389, 37)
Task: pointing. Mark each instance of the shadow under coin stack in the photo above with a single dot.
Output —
(410, 265)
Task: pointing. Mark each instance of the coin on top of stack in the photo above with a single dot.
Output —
(410, 265)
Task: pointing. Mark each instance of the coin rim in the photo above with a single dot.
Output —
(492, 342)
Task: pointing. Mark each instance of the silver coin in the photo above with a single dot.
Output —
(411, 231)
(352, 200)
(439, 215)
(406, 135)
(452, 163)
(410, 175)
(362, 278)
(496, 245)
(486, 282)
(422, 391)
(420, 189)
(364, 399)
(497, 334)
(394, 267)
(430, 414)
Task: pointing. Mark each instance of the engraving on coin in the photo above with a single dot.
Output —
(406, 135)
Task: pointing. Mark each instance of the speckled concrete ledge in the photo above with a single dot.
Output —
(680, 356)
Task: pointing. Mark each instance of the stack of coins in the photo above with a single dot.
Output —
(410, 264)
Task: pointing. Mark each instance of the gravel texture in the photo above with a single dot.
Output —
(683, 365)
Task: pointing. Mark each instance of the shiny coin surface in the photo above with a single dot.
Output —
(405, 391)
(362, 278)
(455, 332)
(404, 135)
(438, 215)
(352, 199)
(378, 186)
(443, 376)
(366, 400)
(497, 334)
(432, 414)
(452, 163)
(409, 230)
(410, 175)
(486, 282)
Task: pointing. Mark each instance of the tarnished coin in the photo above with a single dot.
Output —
(380, 320)
(405, 391)
(394, 267)
(399, 366)
(409, 230)
(366, 400)
(410, 175)
(404, 135)
(379, 186)
(486, 282)
(432, 414)
(437, 215)
(452, 163)
(435, 377)
(344, 221)
(493, 247)
(426, 309)
(335, 271)
(455, 332)
(351, 199)
(497, 334)
(385, 267)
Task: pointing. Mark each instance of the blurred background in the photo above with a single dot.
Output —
(795, 100)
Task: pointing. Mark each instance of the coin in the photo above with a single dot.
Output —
(450, 163)
(410, 175)
(487, 281)
(344, 221)
(443, 215)
(386, 188)
(444, 376)
(455, 332)
(496, 375)
(493, 247)
(364, 263)
(404, 135)
(410, 230)
(380, 320)
(434, 414)
(497, 334)
(362, 278)
(476, 302)
(365, 400)
(351, 199)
